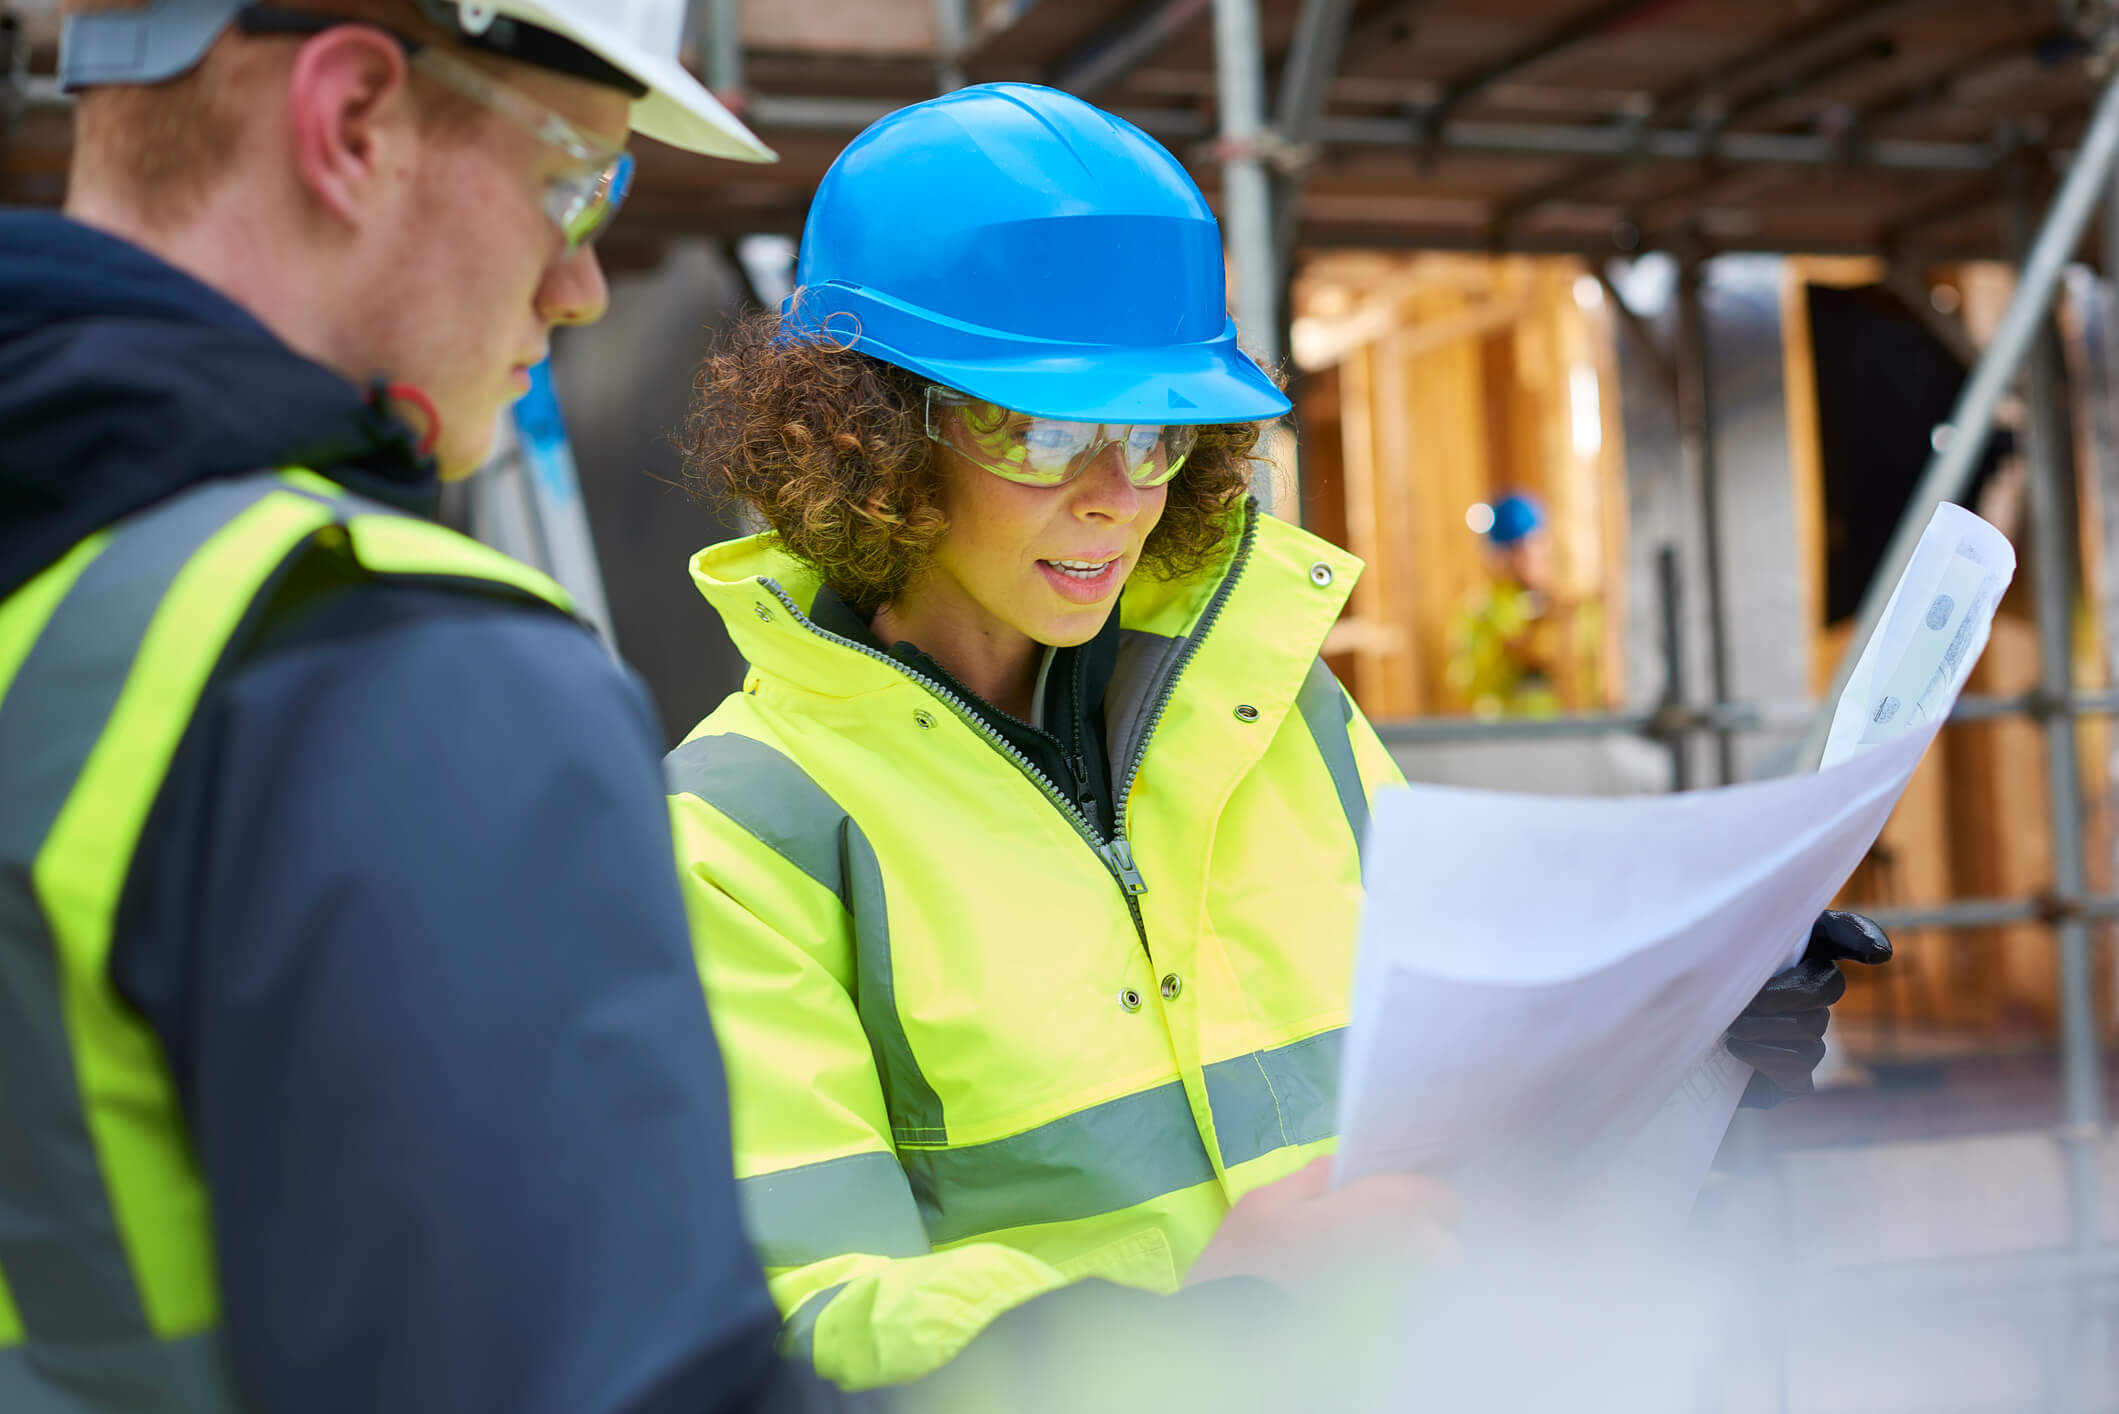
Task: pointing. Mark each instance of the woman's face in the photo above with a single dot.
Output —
(1044, 561)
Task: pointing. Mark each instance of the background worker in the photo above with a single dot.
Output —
(351, 1052)
(1521, 647)
(1025, 868)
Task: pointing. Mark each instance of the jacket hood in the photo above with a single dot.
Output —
(124, 380)
(1289, 589)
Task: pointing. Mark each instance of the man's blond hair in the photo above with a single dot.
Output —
(162, 147)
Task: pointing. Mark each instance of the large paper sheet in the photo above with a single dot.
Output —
(1543, 983)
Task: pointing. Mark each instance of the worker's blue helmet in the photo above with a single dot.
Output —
(1514, 518)
(1025, 247)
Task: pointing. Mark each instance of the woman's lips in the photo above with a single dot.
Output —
(1083, 586)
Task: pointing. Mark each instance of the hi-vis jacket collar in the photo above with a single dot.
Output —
(763, 595)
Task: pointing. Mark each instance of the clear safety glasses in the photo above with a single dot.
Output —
(1046, 451)
(580, 201)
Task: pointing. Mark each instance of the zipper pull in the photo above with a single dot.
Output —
(1118, 856)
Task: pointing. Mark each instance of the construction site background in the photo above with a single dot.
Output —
(1575, 248)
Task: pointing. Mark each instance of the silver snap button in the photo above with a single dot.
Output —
(1129, 999)
(925, 718)
(1245, 712)
(764, 614)
(1172, 985)
(1321, 575)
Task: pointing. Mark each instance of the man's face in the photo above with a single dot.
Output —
(471, 283)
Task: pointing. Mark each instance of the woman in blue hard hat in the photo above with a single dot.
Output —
(1024, 870)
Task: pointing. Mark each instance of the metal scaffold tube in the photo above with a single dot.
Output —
(952, 36)
(723, 43)
(1246, 189)
(2053, 581)
(1695, 376)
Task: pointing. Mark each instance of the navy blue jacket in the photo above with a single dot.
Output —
(404, 916)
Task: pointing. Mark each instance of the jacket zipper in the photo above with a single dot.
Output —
(1207, 619)
(1116, 852)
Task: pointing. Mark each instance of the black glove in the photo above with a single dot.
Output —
(1781, 1035)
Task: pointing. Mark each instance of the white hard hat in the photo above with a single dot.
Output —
(635, 42)
(640, 38)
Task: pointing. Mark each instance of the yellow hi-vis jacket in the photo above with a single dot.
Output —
(108, 1294)
(977, 1052)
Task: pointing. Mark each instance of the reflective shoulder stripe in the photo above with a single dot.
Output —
(1323, 707)
(1098, 1160)
(1270, 1100)
(855, 1203)
(798, 1333)
(78, 1270)
(405, 546)
(772, 799)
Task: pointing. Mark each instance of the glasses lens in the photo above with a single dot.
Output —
(1045, 451)
(583, 202)
(1176, 444)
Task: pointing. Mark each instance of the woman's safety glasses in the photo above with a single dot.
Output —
(580, 200)
(1046, 451)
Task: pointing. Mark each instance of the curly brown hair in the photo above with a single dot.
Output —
(829, 446)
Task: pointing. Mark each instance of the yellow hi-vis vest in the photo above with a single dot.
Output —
(108, 1298)
(977, 1052)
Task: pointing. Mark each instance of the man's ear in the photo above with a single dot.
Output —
(350, 115)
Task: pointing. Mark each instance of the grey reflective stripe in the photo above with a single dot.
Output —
(1324, 707)
(60, 1248)
(1099, 1160)
(772, 798)
(1144, 661)
(798, 1333)
(127, 1377)
(1270, 1100)
(857, 1203)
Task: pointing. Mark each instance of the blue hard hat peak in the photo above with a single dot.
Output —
(1029, 248)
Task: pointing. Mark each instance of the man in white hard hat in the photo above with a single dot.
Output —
(352, 1054)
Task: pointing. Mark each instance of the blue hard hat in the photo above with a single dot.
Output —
(1514, 518)
(1028, 248)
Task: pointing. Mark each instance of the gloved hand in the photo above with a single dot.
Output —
(1781, 1035)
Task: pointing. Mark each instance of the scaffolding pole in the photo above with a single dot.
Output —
(1247, 191)
(723, 46)
(2053, 581)
(1695, 374)
(952, 36)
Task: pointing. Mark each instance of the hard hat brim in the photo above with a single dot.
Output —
(1184, 385)
(677, 109)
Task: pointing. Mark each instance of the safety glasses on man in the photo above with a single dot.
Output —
(1047, 451)
(580, 199)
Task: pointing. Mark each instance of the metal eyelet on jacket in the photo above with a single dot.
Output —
(1245, 712)
(1321, 575)
(764, 614)
(1129, 999)
(1172, 985)
(925, 719)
